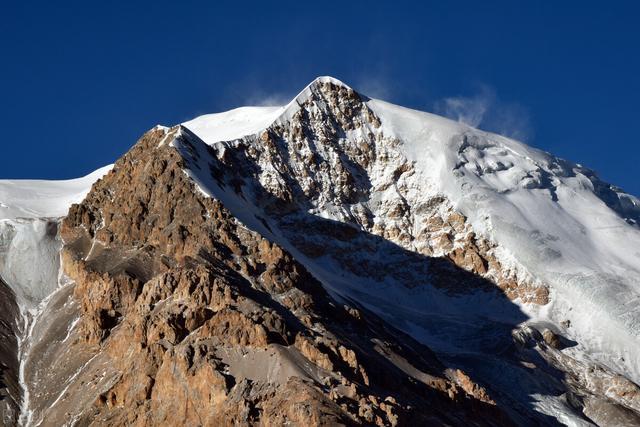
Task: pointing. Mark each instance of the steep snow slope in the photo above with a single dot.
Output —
(29, 248)
(234, 124)
(554, 223)
(43, 199)
(554, 218)
(29, 259)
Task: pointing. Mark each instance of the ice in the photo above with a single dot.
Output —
(29, 257)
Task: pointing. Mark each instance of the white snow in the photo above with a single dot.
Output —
(44, 199)
(233, 124)
(544, 213)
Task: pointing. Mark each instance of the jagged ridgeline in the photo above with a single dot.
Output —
(338, 260)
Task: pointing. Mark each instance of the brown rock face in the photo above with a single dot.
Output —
(186, 317)
(9, 388)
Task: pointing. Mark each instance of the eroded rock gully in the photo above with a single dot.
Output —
(185, 317)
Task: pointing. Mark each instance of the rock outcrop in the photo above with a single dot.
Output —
(9, 348)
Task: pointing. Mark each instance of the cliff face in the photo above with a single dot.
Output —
(185, 316)
(9, 365)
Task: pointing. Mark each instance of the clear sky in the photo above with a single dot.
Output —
(81, 81)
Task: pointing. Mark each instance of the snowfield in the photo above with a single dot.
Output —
(553, 218)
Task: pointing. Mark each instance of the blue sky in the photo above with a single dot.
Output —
(80, 82)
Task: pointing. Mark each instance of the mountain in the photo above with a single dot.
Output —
(338, 260)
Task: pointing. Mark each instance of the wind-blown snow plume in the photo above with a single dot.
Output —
(263, 99)
(470, 110)
(487, 111)
(375, 86)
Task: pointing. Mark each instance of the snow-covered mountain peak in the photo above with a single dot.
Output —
(315, 85)
(535, 220)
(304, 94)
(245, 121)
(512, 265)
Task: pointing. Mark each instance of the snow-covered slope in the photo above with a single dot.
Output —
(235, 123)
(43, 199)
(550, 222)
(556, 219)
(29, 211)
